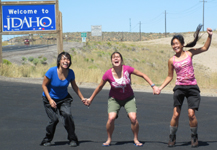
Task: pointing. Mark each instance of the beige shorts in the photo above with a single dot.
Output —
(115, 105)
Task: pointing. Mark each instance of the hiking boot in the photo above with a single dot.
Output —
(194, 140)
(172, 140)
(72, 143)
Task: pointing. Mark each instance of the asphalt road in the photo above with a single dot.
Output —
(23, 121)
(22, 47)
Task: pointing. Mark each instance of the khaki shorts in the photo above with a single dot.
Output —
(115, 105)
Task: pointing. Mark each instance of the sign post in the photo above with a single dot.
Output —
(60, 35)
(31, 17)
(96, 30)
(83, 36)
(28, 18)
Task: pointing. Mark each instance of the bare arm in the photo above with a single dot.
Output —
(147, 79)
(206, 46)
(77, 90)
(144, 76)
(97, 90)
(170, 74)
(45, 82)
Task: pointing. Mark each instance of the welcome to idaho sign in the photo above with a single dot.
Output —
(28, 17)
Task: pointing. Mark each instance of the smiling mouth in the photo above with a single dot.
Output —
(176, 49)
(65, 64)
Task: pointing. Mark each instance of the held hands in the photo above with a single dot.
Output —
(86, 101)
(156, 90)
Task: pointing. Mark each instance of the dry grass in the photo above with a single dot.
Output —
(90, 63)
(5, 43)
(16, 71)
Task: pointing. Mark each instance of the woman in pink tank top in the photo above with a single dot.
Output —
(186, 84)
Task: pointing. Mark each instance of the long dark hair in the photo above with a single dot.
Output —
(191, 44)
(120, 56)
(59, 57)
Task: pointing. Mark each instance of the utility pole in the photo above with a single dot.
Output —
(140, 29)
(203, 12)
(165, 23)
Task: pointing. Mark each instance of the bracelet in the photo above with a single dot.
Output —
(152, 85)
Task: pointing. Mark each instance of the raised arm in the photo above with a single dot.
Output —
(147, 79)
(170, 74)
(195, 51)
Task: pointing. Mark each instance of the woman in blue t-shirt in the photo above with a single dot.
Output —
(57, 100)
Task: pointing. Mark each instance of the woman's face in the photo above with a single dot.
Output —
(177, 46)
(64, 62)
(116, 60)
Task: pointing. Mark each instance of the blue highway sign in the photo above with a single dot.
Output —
(28, 17)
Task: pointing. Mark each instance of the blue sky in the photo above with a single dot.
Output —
(117, 15)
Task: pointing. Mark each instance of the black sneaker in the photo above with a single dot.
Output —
(194, 140)
(172, 140)
(46, 144)
(72, 143)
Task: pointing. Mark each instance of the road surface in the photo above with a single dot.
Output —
(23, 121)
(22, 47)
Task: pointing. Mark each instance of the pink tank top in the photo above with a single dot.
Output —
(185, 71)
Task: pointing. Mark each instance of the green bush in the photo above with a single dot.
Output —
(35, 61)
(24, 58)
(109, 44)
(30, 58)
(44, 58)
(7, 62)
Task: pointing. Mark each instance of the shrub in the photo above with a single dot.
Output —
(24, 58)
(44, 58)
(7, 62)
(35, 61)
(109, 44)
(30, 58)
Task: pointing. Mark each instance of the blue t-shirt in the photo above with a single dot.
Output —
(58, 88)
